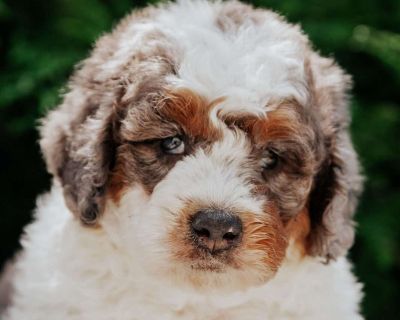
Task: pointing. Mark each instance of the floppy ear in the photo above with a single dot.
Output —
(338, 184)
(77, 143)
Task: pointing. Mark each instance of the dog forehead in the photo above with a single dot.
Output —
(259, 60)
(251, 61)
(184, 111)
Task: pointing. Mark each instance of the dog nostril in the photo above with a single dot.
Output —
(203, 232)
(229, 236)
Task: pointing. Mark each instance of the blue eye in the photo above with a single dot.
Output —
(173, 145)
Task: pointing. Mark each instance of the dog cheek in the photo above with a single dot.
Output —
(265, 240)
(290, 194)
(178, 237)
(136, 165)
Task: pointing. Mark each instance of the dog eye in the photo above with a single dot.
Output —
(270, 160)
(173, 145)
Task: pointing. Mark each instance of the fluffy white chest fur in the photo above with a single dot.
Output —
(69, 274)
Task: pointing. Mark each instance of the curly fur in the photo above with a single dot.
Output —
(111, 239)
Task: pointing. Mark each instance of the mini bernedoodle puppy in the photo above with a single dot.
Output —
(203, 169)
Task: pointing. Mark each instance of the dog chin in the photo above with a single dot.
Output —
(216, 276)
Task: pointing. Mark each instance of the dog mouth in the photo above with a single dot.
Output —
(213, 265)
(208, 266)
(217, 261)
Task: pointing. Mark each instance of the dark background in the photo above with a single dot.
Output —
(41, 41)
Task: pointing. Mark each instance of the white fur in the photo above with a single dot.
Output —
(251, 66)
(70, 272)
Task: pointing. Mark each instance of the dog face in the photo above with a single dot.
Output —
(208, 151)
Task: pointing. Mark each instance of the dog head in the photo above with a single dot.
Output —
(208, 144)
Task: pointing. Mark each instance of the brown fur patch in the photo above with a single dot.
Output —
(191, 112)
(141, 162)
(298, 229)
(287, 133)
(265, 235)
(117, 184)
(283, 123)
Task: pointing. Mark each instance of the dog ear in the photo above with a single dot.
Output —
(77, 143)
(338, 184)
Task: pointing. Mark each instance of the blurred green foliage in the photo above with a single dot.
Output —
(41, 40)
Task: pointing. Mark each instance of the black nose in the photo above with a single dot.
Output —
(216, 230)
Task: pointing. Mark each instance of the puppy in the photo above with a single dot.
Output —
(203, 169)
